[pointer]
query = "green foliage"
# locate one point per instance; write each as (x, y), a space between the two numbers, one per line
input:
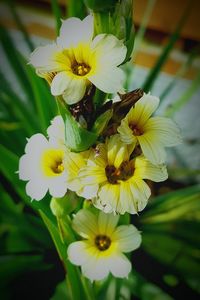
(170, 226)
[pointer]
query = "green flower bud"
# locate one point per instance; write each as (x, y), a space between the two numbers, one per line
(77, 138)
(60, 207)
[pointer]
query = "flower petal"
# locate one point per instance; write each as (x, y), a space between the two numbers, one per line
(60, 83)
(144, 169)
(56, 132)
(107, 223)
(85, 223)
(164, 130)
(74, 31)
(75, 90)
(126, 133)
(96, 267)
(108, 80)
(143, 109)
(119, 265)
(152, 149)
(77, 253)
(117, 151)
(140, 193)
(127, 237)
(109, 196)
(109, 50)
(58, 186)
(36, 191)
(43, 58)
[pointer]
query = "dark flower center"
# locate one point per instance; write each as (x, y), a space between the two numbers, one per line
(124, 172)
(102, 242)
(136, 130)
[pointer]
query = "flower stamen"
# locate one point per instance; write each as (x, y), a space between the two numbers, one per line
(124, 172)
(136, 131)
(80, 69)
(102, 242)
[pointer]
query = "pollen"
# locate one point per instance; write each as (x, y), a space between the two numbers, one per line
(102, 242)
(124, 172)
(80, 69)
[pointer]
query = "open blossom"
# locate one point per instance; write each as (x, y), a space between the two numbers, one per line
(76, 60)
(72, 161)
(120, 179)
(151, 133)
(42, 166)
(103, 244)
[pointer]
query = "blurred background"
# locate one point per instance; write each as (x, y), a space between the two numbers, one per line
(166, 62)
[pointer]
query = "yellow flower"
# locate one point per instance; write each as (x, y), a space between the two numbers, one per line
(119, 178)
(151, 133)
(43, 167)
(102, 249)
(76, 60)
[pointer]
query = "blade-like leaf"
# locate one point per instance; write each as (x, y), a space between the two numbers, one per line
(154, 72)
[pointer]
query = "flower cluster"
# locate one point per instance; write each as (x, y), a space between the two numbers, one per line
(113, 172)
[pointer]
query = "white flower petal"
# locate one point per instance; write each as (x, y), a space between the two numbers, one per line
(77, 253)
(56, 132)
(34, 141)
(85, 223)
(96, 268)
(119, 265)
(74, 31)
(127, 237)
(109, 50)
(140, 194)
(107, 223)
(109, 196)
(89, 191)
(35, 190)
(108, 80)
(60, 83)
(58, 186)
(164, 130)
(43, 58)
(75, 91)
(144, 169)
(152, 149)
(143, 109)
(126, 194)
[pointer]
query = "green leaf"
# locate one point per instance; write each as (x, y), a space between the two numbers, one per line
(170, 227)
(57, 14)
(149, 82)
(182, 70)
(15, 62)
(76, 9)
(20, 25)
(44, 101)
(184, 98)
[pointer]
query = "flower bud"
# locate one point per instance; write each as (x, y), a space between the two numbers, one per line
(60, 207)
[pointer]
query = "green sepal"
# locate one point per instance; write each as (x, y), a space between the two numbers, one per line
(101, 122)
(77, 138)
